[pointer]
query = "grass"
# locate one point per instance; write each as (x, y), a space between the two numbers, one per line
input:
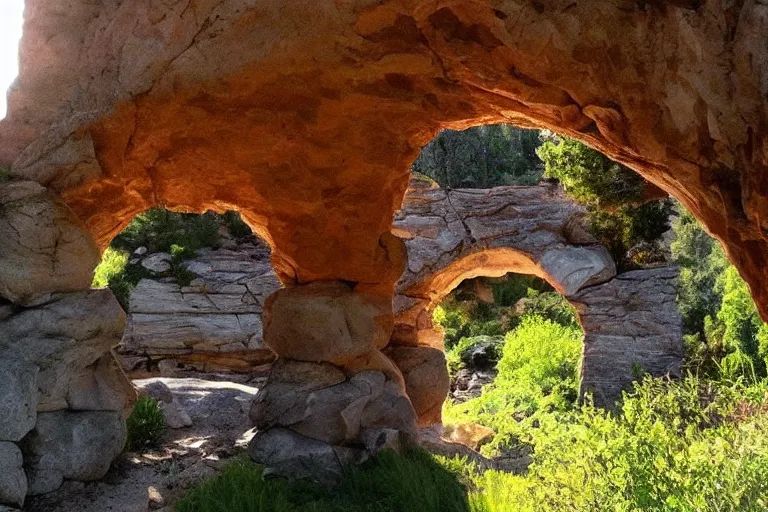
(145, 425)
(389, 482)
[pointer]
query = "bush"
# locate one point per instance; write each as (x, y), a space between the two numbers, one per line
(682, 446)
(388, 482)
(613, 195)
(145, 425)
(159, 229)
(537, 372)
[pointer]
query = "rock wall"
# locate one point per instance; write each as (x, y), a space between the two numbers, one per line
(212, 323)
(631, 327)
(64, 399)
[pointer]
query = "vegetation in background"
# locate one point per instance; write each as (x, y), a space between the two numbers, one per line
(612, 193)
(537, 374)
(482, 157)
(161, 230)
(145, 425)
(724, 335)
(5, 174)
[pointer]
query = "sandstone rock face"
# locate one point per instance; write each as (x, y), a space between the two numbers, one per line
(632, 326)
(426, 379)
(452, 235)
(45, 247)
(214, 322)
(72, 445)
(351, 91)
(326, 322)
(13, 481)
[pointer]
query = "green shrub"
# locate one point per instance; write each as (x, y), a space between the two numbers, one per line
(388, 482)
(674, 447)
(5, 174)
(159, 229)
(145, 425)
(537, 372)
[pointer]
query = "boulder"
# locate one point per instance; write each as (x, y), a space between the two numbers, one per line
(71, 445)
(45, 247)
(13, 480)
(469, 434)
(101, 386)
(282, 400)
(65, 338)
(326, 321)
(159, 262)
(174, 415)
(286, 453)
(427, 382)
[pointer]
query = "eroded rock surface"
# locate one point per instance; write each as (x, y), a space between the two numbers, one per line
(214, 322)
(631, 327)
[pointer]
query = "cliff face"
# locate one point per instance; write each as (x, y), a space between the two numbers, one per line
(306, 117)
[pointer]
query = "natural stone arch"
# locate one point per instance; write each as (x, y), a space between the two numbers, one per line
(630, 321)
(306, 116)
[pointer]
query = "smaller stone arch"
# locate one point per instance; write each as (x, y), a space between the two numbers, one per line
(630, 320)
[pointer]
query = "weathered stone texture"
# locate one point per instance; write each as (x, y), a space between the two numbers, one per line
(632, 326)
(214, 322)
(13, 480)
(44, 247)
(72, 445)
(56, 357)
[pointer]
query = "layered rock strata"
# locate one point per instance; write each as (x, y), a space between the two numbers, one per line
(212, 323)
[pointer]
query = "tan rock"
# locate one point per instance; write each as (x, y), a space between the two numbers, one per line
(45, 247)
(426, 380)
(326, 322)
(469, 434)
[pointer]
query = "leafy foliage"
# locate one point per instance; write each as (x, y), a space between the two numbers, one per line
(481, 157)
(674, 447)
(537, 373)
(145, 425)
(724, 333)
(612, 193)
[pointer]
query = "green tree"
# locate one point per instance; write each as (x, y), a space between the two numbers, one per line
(482, 157)
(612, 193)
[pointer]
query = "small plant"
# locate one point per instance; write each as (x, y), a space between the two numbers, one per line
(145, 425)
(5, 174)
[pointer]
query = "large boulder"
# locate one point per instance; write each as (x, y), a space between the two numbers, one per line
(64, 339)
(427, 382)
(326, 321)
(71, 445)
(13, 480)
(286, 453)
(45, 247)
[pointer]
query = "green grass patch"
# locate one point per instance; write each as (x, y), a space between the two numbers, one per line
(387, 483)
(145, 425)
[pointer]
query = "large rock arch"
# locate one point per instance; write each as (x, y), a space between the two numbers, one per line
(306, 116)
(631, 322)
